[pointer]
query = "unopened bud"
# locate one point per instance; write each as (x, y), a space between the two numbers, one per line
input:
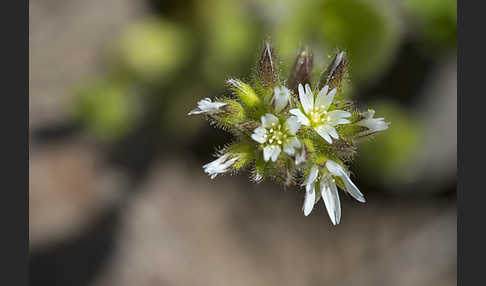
(232, 113)
(335, 72)
(244, 152)
(246, 94)
(268, 67)
(302, 70)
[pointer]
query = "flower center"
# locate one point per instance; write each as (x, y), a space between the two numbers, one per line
(276, 134)
(318, 116)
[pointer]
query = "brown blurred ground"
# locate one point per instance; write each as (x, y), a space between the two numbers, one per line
(187, 230)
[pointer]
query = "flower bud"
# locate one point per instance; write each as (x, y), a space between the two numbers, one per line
(268, 67)
(246, 94)
(335, 72)
(302, 70)
(233, 113)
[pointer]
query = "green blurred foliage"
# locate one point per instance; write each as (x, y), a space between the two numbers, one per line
(106, 108)
(230, 37)
(367, 31)
(436, 21)
(362, 30)
(387, 156)
(154, 49)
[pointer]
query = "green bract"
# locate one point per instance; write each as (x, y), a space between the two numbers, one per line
(300, 132)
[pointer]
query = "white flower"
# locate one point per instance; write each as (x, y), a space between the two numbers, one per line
(373, 124)
(328, 190)
(315, 112)
(281, 96)
(207, 106)
(220, 165)
(274, 136)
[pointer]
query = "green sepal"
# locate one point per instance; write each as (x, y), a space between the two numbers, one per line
(233, 113)
(244, 152)
(245, 93)
(320, 159)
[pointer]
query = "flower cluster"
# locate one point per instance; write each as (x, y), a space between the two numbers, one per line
(294, 131)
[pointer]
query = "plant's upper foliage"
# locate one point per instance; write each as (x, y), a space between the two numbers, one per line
(294, 133)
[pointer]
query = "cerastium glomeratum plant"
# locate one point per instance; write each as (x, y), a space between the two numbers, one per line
(295, 132)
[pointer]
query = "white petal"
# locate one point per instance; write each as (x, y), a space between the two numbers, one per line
(207, 106)
(306, 100)
(219, 166)
(267, 152)
(300, 116)
(292, 124)
(352, 189)
(323, 132)
(332, 93)
(331, 131)
(281, 96)
(268, 120)
(312, 176)
(290, 145)
(259, 135)
(295, 142)
(323, 100)
(289, 149)
(334, 168)
(374, 124)
(336, 117)
(310, 198)
(330, 197)
(309, 93)
(196, 110)
(271, 152)
(276, 152)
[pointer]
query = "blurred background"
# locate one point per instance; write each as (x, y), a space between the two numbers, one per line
(117, 191)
